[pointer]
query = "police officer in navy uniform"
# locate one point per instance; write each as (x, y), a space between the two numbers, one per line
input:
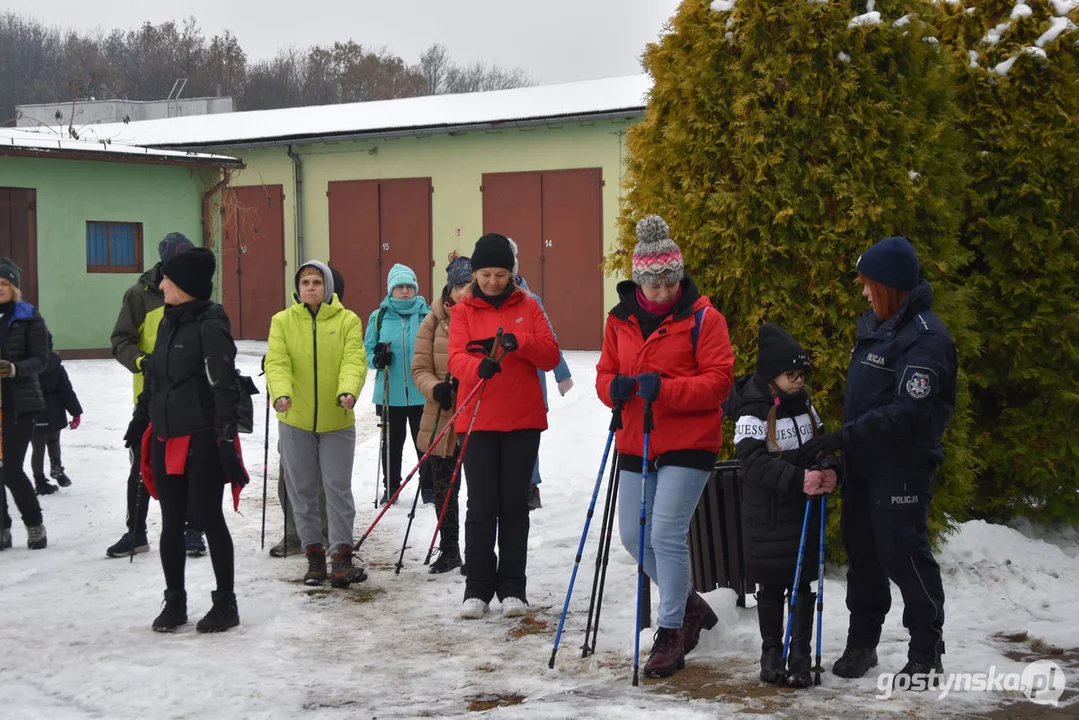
(901, 387)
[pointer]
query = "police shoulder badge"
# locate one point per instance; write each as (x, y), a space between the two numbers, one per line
(918, 385)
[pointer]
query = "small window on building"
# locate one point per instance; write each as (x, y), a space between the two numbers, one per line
(113, 247)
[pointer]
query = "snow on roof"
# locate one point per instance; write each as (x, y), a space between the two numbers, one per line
(49, 140)
(434, 112)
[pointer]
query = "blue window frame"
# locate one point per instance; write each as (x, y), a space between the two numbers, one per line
(113, 247)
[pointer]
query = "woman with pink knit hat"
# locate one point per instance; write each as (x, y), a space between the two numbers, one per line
(665, 345)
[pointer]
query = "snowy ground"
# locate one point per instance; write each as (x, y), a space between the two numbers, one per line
(75, 636)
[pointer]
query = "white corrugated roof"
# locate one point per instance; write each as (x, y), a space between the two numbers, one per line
(587, 97)
(50, 140)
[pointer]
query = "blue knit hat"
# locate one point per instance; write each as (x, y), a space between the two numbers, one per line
(172, 245)
(892, 262)
(401, 275)
(459, 271)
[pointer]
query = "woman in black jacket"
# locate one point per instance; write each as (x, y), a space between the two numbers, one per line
(194, 402)
(774, 419)
(24, 350)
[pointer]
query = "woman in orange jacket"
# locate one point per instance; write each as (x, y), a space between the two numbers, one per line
(666, 345)
(508, 416)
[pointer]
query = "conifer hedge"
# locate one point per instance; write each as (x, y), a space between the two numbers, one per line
(780, 140)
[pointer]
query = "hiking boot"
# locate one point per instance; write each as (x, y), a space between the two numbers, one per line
(5, 538)
(473, 609)
(222, 616)
(448, 559)
(60, 476)
(285, 548)
(123, 546)
(667, 656)
(344, 572)
(193, 543)
(918, 676)
(770, 620)
(173, 613)
(35, 537)
(799, 661)
(316, 565)
(427, 495)
(44, 487)
(855, 662)
(534, 502)
(698, 615)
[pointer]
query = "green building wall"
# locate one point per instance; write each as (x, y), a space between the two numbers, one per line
(80, 307)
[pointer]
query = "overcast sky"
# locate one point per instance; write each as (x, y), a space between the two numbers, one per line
(553, 40)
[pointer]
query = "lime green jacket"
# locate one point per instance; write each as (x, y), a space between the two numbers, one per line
(313, 361)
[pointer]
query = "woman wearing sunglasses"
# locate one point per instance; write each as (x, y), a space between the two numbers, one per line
(774, 420)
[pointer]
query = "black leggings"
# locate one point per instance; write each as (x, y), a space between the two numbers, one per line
(204, 483)
(18, 429)
(399, 415)
(439, 471)
(41, 441)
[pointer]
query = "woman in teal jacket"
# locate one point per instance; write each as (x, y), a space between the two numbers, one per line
(390, 341)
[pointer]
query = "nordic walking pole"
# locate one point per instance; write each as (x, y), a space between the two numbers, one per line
(384, 439)
(266, 459)
(820, 586)
(441, 433)
(412, 513)
(453, 479)
(616, 422)
(602, 558)
(797, 579)
(640, 544)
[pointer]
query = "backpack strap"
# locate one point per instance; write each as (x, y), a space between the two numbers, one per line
(695, 333)
(378, 324)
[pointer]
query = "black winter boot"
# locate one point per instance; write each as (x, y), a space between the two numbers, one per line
(174, 612)
(698, 614)
(222, 616)
(919, 676)
(855, 662)
(770, 620)
(58, 474)
(448, 559)
(43, 487)
(799, 655)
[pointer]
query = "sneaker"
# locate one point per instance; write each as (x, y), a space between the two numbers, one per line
(514, 607)
(473, 609)
(427, 495)
(123, 546)
(60, 476)
(44, 487)
(195, 545)
(534, 502)
(5, 538)
(35, 537)
(447, 560)
(279, 550)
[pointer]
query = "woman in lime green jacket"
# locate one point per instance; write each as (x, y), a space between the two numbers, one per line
(315, 368)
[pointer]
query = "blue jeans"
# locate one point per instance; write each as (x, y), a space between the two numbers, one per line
(536, 480)
(671, 497)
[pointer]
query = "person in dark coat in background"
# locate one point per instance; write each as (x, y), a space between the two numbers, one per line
(191, 442)
(773, 418)
(60, 399)
(24, 352)
(900, 397)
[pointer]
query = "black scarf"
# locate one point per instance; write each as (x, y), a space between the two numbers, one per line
(495, 300)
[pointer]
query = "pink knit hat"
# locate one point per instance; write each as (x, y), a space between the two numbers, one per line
(656, 259)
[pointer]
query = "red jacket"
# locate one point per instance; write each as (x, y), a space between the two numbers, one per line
(513, 398)
(687, 414)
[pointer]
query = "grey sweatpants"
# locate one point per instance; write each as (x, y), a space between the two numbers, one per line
(310, 459)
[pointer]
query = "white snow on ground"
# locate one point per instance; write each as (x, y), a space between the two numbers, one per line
(76, 639)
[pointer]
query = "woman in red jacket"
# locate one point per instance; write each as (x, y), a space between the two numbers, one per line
(505, 438)
(666, 344)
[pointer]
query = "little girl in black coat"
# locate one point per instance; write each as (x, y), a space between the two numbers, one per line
(774, 418)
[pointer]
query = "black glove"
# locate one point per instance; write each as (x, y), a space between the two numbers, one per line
(140, 420)
(648, 386)
(146, 365)
(622, 388)
(509, 342)
(233, 466)
(7, 368)
(443, 395)
(484, 346)
(488, 368)
(383, 357)
(825, 444)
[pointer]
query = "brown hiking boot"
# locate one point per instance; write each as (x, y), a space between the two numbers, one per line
(344, 572)
(667, 656)
(316, 565)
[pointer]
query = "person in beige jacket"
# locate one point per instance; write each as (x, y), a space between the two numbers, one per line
(430, 375)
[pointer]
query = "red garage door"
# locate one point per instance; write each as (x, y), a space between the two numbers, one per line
(18, 235)
(253, 258)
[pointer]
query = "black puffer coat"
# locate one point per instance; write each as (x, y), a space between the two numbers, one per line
(773, 504)
(60, 398)
(26, 344)
(192, 382)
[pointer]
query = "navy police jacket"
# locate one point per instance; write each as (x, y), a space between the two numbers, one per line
(901, 388)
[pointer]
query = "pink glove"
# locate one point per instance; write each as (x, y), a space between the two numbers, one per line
(75, 422)
(828, 480)
(813, 482)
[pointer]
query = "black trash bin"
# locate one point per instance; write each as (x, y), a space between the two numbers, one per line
(716, 547)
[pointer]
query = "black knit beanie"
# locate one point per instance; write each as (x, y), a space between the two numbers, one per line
(493, 251)
(192, 271)
(777, 352)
